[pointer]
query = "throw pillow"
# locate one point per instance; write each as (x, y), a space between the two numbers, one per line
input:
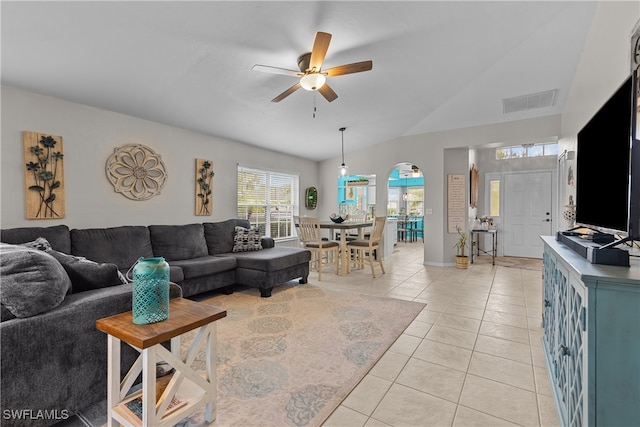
(87, 275)
(33, 281)
(40, 243)
(246, 239)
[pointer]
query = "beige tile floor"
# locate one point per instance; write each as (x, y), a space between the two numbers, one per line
(472, 357)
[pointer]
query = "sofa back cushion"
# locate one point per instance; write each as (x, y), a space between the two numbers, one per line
(58, 236)
(121, 246)
(220, 235)
(178, 242)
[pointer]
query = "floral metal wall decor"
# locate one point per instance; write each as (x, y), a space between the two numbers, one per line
(204, 179)
(136, 171)
(44, 175)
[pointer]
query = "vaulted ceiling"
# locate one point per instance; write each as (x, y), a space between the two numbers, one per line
(436, 65)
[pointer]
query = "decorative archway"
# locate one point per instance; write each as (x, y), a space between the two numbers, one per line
(405, 201)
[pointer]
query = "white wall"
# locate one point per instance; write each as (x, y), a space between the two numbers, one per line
(604, 65)
(90, 135)
(430, 153)
(89, 138)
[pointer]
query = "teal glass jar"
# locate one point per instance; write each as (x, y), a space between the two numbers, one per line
(150, 291)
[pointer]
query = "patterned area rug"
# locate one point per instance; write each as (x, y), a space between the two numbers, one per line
(510, 261)
(291, 359)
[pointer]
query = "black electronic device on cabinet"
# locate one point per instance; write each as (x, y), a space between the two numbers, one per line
(608, 167)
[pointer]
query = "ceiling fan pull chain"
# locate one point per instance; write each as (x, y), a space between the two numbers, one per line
(314, 106)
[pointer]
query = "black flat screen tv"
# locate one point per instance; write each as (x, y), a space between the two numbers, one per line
(608, 166)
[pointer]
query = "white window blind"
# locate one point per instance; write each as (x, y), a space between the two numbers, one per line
(268, 200)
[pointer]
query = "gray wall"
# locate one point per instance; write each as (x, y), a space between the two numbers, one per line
(437, 155)
(90, 135)
(604, 63)
(89, 138)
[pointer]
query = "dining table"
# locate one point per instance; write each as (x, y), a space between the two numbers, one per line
(344, 227)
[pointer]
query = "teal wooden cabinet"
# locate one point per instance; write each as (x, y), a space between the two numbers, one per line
(591, 322)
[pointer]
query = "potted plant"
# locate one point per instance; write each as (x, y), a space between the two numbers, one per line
(462, 261)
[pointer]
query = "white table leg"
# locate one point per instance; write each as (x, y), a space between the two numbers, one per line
(149, 387)
(113, 377)
(211, 407)
(175, 346)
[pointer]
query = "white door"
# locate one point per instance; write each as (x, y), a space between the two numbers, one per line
(527, 213)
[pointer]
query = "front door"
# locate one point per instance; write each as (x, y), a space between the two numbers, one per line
(527, 215)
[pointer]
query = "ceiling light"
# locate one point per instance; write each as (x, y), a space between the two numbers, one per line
(312, 81)
(405, 195)
(343, 167)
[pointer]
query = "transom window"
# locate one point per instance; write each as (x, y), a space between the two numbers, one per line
(268, 200)
(527, 150)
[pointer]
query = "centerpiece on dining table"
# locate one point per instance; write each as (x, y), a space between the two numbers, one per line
(338, 219)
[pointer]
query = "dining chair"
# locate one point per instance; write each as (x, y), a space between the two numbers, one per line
(296, 224)
(368, 250)
(325, 252)
(403, 228)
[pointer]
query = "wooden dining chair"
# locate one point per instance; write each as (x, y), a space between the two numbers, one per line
(296, 224)
(324, 252)
(369, 250)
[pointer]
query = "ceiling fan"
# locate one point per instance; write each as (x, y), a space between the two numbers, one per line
(311, 75)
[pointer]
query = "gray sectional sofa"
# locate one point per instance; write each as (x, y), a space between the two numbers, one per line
(53, 363)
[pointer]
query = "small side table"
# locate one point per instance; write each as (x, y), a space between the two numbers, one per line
(190, 390)
(476, 243)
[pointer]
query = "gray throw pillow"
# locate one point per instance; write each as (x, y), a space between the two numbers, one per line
(87, 275)
(247, 239)
(33, 281)
(40, 244)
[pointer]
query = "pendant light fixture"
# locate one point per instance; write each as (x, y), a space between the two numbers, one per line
(343, 167)
(405, 195)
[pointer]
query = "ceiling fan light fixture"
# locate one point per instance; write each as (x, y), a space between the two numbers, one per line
(313, 81)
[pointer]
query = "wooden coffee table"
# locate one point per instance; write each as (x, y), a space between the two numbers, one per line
(181, 394)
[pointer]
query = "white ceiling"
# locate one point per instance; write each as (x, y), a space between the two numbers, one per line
(436, 65)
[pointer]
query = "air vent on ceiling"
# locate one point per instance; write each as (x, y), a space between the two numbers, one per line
(546, 98)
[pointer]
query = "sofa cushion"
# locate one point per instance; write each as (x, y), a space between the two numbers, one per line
(58, 236)
(203, 266)
(220, 235)
(177, 242)
(273, 259)
(86, 275)
(33, 281)
(122, 246)
(247, 239)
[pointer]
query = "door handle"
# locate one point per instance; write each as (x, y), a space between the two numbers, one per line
(546, 220)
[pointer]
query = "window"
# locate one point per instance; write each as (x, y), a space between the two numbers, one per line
(393, 203)
(527, 150)
(494, 198)
(415, 203)
(268, 200)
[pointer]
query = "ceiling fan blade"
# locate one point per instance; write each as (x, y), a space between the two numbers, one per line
(327, 92)
(356, 67)
(319, 51)
(287, 92)
(276, 70)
